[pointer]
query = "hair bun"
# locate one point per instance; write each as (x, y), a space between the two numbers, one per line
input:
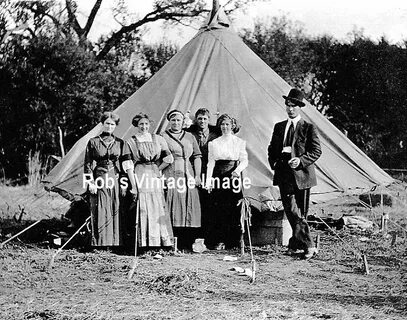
(138, 117)
(233, 121)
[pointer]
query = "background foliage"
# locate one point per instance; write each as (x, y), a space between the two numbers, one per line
(357, 85)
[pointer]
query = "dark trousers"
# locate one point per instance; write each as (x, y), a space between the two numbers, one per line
(296, 204)
(296, 207)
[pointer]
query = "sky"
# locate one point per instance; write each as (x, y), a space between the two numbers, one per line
(375, 18)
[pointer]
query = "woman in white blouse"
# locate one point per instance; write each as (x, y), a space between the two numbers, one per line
(227, 158)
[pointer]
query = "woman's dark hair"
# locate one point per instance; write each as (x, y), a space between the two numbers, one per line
(233, 121)
(138, 117)
(110, 115)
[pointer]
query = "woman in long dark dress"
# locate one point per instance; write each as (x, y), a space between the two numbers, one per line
(227, 158)
(182, 197)
(145, 155)
(102, 171)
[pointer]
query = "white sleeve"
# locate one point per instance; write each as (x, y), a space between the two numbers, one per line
(127, 164)
(243, 158)
(168, 159)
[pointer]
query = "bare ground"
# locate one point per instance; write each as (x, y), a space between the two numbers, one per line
(94, 285)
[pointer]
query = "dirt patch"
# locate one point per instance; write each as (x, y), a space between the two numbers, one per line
(94, 285)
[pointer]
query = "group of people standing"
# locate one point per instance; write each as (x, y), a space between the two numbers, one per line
(169, 186)
(194, 206)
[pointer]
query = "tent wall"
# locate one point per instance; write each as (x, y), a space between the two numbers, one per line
(216, 70)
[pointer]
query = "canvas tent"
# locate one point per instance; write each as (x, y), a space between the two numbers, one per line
(216, 70)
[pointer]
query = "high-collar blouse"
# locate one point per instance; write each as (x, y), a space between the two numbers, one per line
(227, 147)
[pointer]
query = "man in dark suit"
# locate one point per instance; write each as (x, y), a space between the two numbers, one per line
(293, 149)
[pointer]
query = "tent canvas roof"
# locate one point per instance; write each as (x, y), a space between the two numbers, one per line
(216, 70)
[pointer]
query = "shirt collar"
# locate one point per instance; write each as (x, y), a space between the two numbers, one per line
(294, 121)
(227, 136)
(203, 133)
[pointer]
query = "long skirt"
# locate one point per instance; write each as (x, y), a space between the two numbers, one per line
(154, 221)
(224, 214)
(183, 202)
(104, 208)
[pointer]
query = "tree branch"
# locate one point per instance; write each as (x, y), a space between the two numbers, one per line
(167, 10)
(42, 11)
(91, 18)
(72, 19)
(150, 17)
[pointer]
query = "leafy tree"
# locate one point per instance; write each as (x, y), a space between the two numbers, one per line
(63, 17)
(52, 81)
(357, 85)
(157, 55)
(49, 82)
(283, 45)
(365, 92)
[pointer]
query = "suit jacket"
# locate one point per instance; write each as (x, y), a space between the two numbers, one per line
(305, 146)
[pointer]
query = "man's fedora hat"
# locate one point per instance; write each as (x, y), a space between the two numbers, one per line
(295, 96)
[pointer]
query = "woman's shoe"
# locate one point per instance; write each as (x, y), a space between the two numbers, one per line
(220, 246)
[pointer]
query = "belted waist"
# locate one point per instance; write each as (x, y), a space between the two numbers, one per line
(146, 163)
(105, 164)
(224, 167)
(226, 162)
(178, 157)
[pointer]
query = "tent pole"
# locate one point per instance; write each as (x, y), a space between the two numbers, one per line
(21, 232)
(51, 262)
(215, 8)
(385, 216)
(253, 262)
(242, 243)
(134, 262)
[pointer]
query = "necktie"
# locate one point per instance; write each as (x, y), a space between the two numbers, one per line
(202, 139)
(290, 135)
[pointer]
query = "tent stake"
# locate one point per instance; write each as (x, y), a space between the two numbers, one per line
(385, 216)
(365, 264)
(21, 232)
(317, 241)
(175, 245)
(242, 243)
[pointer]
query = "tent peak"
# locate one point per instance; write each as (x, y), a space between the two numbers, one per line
(215, 8)
(217, 19)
